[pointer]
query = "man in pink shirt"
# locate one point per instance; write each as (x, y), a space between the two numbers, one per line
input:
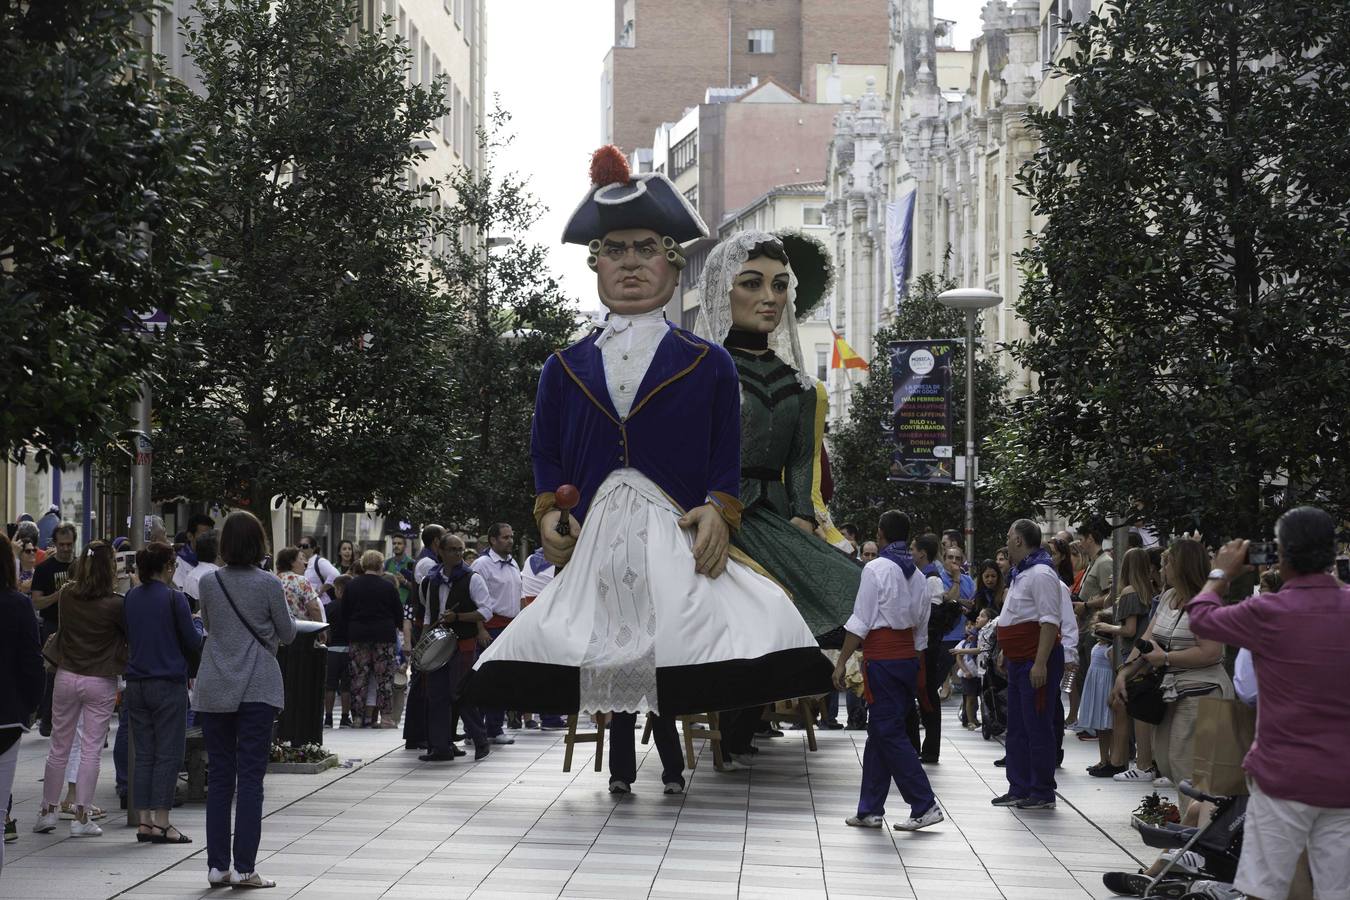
(1300, 789)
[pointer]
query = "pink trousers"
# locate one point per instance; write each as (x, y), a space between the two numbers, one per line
(84, 699)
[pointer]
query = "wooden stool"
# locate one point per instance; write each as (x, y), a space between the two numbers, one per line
(597, 738)
(801, 711)
(704, 725)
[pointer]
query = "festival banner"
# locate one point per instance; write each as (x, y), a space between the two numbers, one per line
(921, 421)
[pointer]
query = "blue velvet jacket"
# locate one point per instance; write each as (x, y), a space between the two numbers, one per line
(683, 432)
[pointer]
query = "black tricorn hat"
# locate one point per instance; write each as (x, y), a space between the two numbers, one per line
(618, 199)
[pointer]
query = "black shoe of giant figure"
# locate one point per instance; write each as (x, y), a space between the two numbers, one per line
(481, 751)
(1001, 762)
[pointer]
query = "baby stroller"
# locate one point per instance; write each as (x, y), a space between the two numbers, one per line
(1218, 844)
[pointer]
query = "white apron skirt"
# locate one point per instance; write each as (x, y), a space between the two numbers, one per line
(628, 626)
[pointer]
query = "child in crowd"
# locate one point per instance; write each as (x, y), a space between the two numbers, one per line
(1094, 710)
(966, 666)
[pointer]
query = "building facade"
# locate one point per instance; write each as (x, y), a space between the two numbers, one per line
(943, 137)
(667, 55)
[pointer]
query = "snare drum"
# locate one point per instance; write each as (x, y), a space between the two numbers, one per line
(435, 649)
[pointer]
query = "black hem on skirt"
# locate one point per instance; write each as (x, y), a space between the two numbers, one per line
(681, 690)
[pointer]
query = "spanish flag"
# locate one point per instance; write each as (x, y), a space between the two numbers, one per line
(844, 356)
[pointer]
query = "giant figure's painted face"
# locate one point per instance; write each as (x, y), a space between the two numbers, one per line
(633, 274)
(759, 294)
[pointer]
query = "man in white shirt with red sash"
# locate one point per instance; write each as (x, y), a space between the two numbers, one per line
(890, 623)
(1029, 635)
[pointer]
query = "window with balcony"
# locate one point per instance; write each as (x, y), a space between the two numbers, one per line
(692, 196)
(761, 40)
(822, 362)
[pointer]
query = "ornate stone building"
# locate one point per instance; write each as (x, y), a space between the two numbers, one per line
(943, 137)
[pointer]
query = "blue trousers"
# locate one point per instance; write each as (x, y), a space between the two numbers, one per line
(1031, 743)
(889, 755)
(158, 710)
(237, 745)
(623, 752)
(120, 749)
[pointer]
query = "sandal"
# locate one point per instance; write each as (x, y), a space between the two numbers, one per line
(145, 837)
(163, 836)
(251, 881)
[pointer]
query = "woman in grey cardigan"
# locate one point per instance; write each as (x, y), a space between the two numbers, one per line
(238, 694)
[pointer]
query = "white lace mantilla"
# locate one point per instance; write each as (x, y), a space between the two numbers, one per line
(714, 318)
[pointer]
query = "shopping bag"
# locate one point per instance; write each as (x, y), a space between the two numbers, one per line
(1224, 731)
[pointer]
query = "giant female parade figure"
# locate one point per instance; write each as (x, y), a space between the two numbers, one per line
(749, 297)
(653, 610)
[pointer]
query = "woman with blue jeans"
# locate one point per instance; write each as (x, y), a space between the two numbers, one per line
(238, 695)
(162, 632)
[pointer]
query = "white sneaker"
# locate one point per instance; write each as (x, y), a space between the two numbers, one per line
(745, 760)
(619, 786)
(84, 829)
(1214, 890)
(1133, 773)
(932, 817)
(674, 787)
(864, 821)
(503, 740)
(730, 765)
(1162, 781)
(46, 822)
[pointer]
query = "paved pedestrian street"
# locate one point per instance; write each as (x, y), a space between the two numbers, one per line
(516, 825)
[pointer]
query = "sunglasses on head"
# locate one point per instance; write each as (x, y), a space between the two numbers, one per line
(306, 546)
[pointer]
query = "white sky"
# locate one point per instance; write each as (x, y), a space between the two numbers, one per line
(544, 59)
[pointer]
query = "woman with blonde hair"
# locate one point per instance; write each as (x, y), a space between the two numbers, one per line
(1194, 666)
(89, 652)
(373, 615)
(1130, 612)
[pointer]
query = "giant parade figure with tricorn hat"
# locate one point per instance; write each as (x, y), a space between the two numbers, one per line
(639, 424)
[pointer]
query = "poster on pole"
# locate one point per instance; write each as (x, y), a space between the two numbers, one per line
(921, 413)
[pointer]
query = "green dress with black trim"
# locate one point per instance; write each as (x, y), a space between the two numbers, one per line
(778, 424)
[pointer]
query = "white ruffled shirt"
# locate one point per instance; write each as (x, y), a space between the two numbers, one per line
(627, 347)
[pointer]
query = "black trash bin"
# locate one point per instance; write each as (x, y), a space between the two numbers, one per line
(303, 667)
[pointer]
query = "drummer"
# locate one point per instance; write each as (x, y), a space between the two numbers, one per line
(456, 597)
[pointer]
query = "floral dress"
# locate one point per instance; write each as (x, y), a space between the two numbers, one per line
(298, 593)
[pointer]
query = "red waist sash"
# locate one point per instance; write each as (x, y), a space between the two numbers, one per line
(498, 622)
(894, 643)
(467, 645)
(1020, 643)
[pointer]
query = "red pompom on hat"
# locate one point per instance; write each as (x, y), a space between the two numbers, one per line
(609, 166)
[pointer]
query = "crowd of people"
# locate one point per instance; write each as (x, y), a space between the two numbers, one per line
(689, 565)
(93, 632)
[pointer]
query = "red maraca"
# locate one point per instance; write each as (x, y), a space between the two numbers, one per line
(566, 498)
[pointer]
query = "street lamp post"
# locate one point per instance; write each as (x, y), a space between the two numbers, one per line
(971, 301)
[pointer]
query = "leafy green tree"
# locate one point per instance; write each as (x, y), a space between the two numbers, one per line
(511, 315)
(321, 368)
(97, 208)
(860, 452)
(1187, 295)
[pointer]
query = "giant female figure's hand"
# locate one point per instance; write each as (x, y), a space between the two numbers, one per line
(712, 539)
(558, 547)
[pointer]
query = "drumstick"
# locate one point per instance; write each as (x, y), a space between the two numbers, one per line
(566, 498)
